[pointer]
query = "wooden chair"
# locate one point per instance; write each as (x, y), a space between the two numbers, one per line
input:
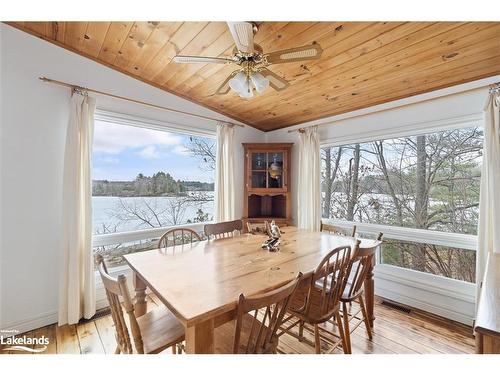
(152, 333)
(178, 236)
(258, 228)
(318, 299)
(257, 322)
(333, 229)
(360, 265)
(224, 229)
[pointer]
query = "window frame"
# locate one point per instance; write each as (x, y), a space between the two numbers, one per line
(142, 122)
(407, 130)
(451, 298)
(140, 234)
(147, 123)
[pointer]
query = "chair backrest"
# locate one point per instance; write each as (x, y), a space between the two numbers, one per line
(338, 230)
(116, 288)
(263, 331)
(224, 229)
(361, 262)
(326, 285)
(258, 228)
(178, 236)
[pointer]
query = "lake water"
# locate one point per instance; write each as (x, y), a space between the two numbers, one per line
(117, 214)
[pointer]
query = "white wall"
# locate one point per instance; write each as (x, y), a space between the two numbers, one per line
(33, 122)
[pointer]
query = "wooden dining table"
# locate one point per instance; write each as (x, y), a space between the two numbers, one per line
(200, 282)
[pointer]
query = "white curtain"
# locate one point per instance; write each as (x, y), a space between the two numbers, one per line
(77, 280)
(489, 205)
(224, 173)
(309, 199)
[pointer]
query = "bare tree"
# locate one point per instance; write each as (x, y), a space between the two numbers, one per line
(352, 198)
(428, 182)
(421, 201)
(382, 165)
(329, 175)
(204, 150)
(156, 213)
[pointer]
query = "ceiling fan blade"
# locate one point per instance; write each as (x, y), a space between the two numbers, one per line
(224, 88)
(242, 33)
(310, 52)
(201, 59)
(275, 81)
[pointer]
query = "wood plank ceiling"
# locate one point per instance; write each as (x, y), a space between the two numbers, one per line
(363, 63)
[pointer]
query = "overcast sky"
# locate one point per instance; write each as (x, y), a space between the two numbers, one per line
(121, 152)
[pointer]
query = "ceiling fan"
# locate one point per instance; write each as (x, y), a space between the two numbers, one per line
(253, 62)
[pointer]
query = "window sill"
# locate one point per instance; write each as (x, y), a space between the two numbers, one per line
(138, 235)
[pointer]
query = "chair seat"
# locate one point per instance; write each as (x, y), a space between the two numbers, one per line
(315, 314)
(345, 295)
(224, 336)
(160, 329)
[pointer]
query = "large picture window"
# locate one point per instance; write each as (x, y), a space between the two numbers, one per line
(144, 179)
(427, 182)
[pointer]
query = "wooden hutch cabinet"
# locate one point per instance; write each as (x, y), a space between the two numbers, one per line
(267, 183)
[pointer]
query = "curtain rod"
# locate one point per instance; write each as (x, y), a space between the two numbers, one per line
(85, 89)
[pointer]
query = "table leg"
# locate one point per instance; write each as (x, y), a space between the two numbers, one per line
(140, 306)
(479, 342)
(200, 338)
(370, 292)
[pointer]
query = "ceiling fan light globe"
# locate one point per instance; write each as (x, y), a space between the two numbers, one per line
(247, 91)
(237, 83)
(260, 82)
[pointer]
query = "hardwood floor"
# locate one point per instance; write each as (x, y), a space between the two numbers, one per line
(395, 332)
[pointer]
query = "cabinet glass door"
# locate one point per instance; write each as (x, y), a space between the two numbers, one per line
(275, 170)
(267, 170)
(259, 161)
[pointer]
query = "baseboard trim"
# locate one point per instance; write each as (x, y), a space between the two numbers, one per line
(26, 325)
(51, 317)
